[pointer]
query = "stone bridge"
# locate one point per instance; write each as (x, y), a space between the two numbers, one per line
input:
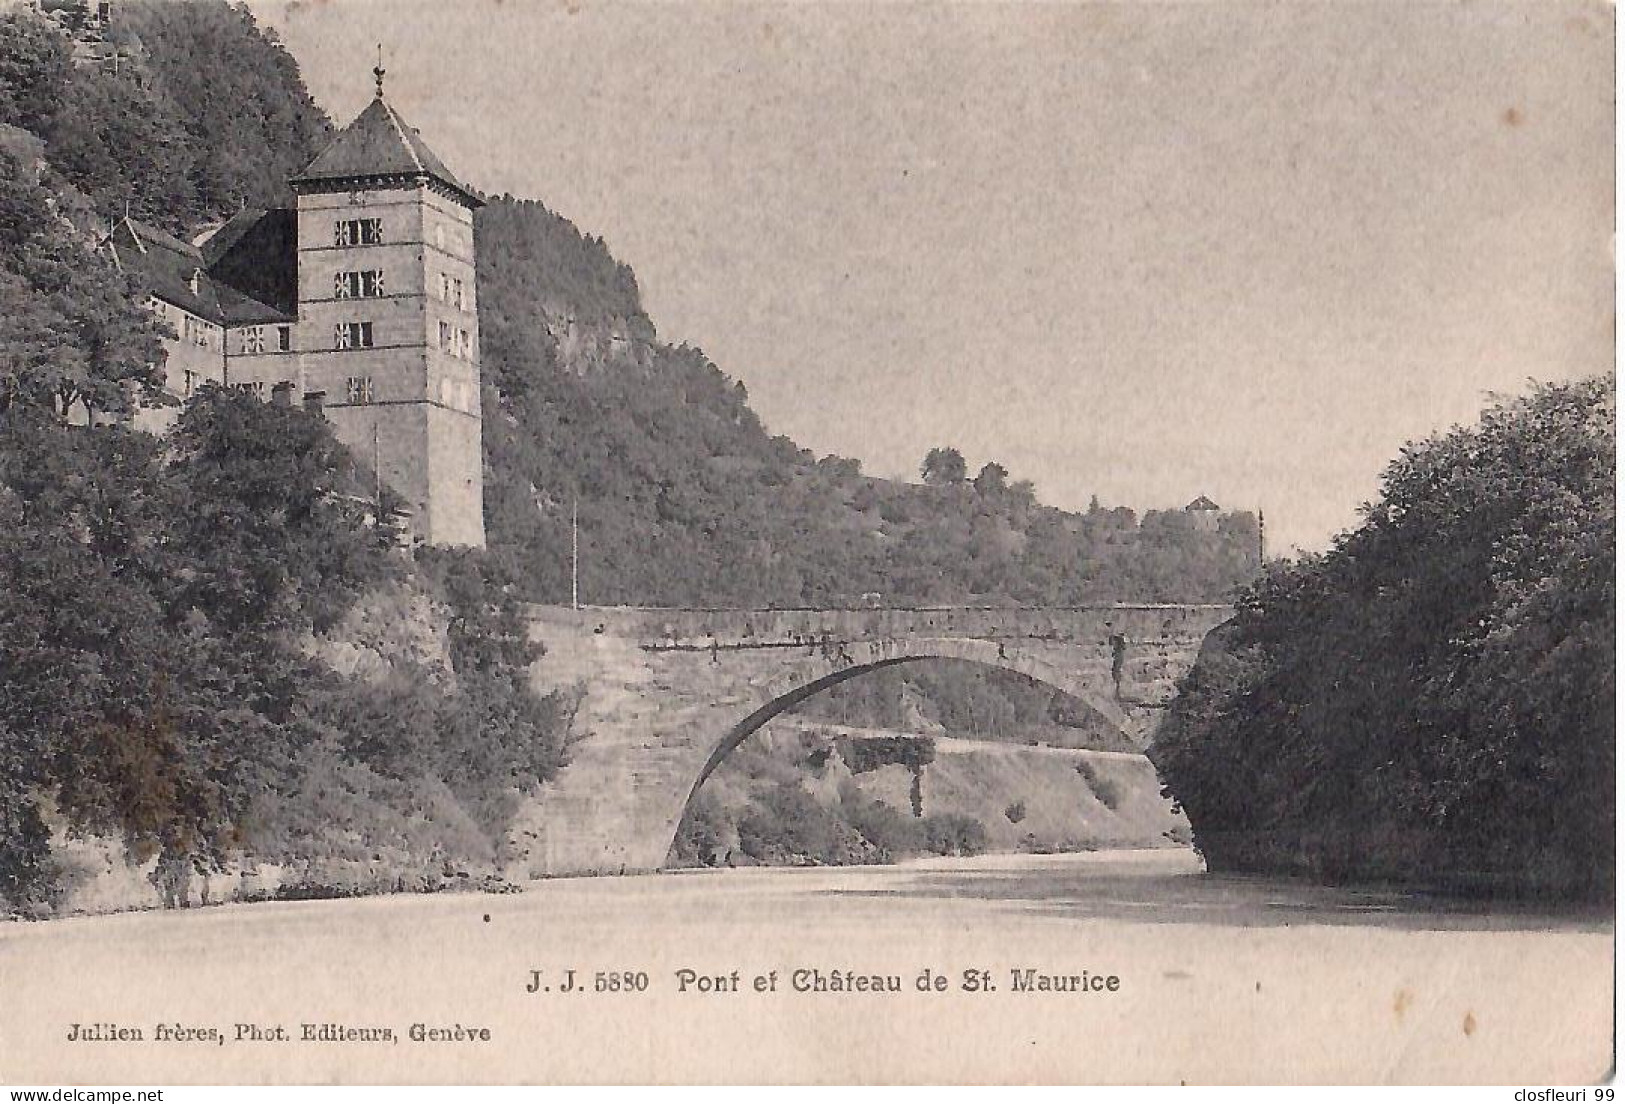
(668, 693)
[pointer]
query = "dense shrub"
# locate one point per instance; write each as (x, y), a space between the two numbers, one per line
(893, 834)
(1434, 697)
(702, 835)
(869, 754)
(786, 824)
(954, 834)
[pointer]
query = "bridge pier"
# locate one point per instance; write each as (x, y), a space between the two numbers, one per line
(666, 694)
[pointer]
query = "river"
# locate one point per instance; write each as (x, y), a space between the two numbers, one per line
(1217, 979)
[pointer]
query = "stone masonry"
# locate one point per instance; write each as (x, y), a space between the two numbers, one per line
(667, 694)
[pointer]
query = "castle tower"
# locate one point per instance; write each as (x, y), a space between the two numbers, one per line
(388, 319)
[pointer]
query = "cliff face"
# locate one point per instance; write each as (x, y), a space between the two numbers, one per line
(587, 348)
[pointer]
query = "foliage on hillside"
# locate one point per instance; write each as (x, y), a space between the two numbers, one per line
(685, 499)
(158, 601)
(203, 114)
(1434, 697)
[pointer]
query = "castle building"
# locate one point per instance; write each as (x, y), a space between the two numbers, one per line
(360, 301)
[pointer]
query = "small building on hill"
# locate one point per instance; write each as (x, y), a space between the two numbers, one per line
(85, 24)
(1204, 514)
(359, 303)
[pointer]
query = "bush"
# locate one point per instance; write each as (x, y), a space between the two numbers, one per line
(1107, 790)
(702, 834)
(787, 824)
(865, 755)
(954, 834)
(893, 834)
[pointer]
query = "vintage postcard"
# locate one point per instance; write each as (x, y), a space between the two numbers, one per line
(749, 542)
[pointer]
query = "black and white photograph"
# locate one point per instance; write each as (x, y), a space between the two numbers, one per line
(807, 542)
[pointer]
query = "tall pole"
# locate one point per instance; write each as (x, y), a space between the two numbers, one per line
(377, 473)
(575, 554)
(1261, 537)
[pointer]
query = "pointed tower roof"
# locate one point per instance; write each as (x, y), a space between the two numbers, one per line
(378, 144)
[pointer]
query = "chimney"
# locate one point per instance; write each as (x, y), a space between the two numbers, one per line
(282, 394)
(315, 401)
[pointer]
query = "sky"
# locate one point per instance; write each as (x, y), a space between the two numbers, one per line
(1139, 251)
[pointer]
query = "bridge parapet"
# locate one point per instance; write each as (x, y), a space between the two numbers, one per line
(684, 629)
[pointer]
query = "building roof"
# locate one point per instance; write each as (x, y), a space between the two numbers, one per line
(1202, 502)
(256, 255)
(237, 309)
(379, 143)
(220, 240)
(173, 269)
(176, 272)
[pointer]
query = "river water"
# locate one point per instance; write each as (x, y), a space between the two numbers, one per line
(1216, 979)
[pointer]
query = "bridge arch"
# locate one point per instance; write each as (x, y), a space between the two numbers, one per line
(664, 695)
(984, 652)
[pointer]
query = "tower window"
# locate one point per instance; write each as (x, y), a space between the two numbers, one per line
(457, 293)
(189, 381)
(465, 345)
(367, 284)
(347, 232)
(446, 345)
(358, 389)
(254, 340)
(284, 338)
(352, 335)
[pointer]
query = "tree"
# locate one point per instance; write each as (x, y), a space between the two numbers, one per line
(943, 467)
(35, 65)
(275, 512)
(117, 140)
(992, 479)
(71, 332)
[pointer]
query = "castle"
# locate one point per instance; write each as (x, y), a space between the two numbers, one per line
(359, 302)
